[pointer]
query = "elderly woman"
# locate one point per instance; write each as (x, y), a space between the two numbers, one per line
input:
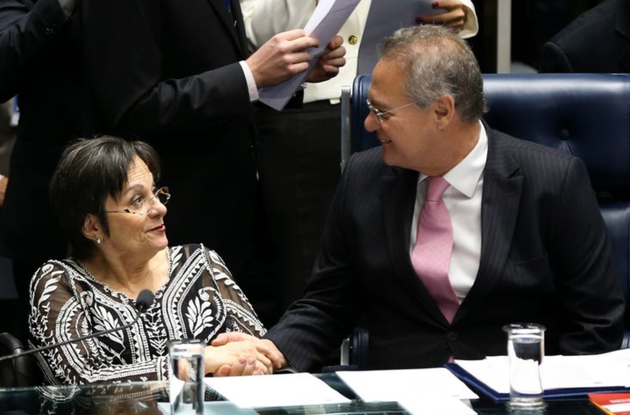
(104, 195)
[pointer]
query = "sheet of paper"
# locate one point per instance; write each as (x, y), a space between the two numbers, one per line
(443, 405)
(558, 372)
(324, 24)
(407, 384)
(385, 18)
(213, 408)
(273, 391)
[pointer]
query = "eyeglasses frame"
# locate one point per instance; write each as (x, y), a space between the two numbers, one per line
(382, 116)
(161, 191)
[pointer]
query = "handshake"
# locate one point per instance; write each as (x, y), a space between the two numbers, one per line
(239, 354)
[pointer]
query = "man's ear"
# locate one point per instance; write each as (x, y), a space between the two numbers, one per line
(92, 229)
(444, 110)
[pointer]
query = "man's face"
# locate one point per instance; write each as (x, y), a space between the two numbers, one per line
(408, 132)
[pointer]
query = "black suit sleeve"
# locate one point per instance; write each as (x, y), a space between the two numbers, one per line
(127, 64)
(585, 279)
(554, 60)
(316, 324)
(25, 31)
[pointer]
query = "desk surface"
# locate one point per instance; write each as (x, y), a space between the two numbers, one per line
(151, 398)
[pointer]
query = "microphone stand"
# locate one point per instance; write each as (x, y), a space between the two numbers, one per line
(143, 303)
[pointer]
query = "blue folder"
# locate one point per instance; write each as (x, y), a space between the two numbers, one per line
(553, 394)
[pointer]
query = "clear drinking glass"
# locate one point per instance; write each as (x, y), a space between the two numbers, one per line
(186, 386)
(526, 349)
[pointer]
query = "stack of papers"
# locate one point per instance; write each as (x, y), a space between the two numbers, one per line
(562, 376)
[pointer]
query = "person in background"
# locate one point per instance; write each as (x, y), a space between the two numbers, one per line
(299, 148)
(104, 194)
(183, 79)
(40, 59)
(450, 230)
(595, 42)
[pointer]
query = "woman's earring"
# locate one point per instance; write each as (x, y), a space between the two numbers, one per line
(98, 241)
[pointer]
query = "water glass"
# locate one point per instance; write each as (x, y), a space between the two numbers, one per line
(186, 386)
(526, 348)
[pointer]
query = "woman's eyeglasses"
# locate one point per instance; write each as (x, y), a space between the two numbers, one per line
(144, 206)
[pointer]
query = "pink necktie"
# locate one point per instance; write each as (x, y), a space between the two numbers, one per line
(431, 256)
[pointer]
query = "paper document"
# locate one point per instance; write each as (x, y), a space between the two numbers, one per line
(278, 390)
(212, 408)
(324, 24)
(406, 385)
(558, 372)
(442, 405)
(384, 18)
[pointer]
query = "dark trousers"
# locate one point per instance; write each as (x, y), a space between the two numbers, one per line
(299, 158)
(22, 273)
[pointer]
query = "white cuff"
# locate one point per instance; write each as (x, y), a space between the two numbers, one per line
(251, 82)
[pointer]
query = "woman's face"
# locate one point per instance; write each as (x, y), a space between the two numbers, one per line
(136, 220)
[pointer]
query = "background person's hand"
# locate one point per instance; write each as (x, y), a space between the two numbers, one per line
(452, 16)
(3, 188)
(282, 57)
(329, 63)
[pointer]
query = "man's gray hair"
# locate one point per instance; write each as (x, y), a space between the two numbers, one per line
(437, 62)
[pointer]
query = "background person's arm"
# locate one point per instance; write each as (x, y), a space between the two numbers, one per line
(24, 33)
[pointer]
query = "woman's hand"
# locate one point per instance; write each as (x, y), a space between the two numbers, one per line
(240, 358)
(264, 346)
(453, 15)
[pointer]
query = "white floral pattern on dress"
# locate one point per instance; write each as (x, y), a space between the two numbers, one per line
(199, 300)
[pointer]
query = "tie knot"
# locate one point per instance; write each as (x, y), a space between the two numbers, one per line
(437, 186)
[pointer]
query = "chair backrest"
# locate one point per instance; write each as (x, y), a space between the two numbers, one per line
(21, 371)
(587, 115)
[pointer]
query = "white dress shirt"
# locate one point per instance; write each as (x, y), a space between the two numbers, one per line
(463, 201)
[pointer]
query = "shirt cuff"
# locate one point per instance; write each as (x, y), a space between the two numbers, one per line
(68, 6)
(251, 82)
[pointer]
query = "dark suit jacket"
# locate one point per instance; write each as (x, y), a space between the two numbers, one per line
(167, 72)
(544, 259)
(39, 60)
(597, 41)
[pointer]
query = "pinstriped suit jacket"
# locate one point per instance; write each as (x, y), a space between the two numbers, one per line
(544, 258)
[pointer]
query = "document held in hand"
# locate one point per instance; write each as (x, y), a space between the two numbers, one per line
(324, 24)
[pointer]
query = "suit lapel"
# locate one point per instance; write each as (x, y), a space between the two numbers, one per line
(230, 21)
(502, 186)
(622, 26)
(398, 201)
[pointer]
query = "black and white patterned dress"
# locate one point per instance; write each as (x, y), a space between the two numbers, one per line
(199, 300)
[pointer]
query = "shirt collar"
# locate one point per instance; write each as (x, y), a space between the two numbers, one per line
(465, 175)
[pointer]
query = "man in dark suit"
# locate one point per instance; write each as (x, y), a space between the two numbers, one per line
(597, 41)
(41, 61)
(178, 75)
(451, 230)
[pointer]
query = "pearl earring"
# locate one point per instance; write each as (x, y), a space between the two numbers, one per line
(98, 241)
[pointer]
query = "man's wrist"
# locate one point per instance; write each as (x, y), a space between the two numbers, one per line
(251, 82)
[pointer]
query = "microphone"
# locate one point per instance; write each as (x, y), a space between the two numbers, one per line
(143, 303)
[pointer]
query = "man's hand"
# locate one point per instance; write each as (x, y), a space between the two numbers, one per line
(263, 346)
(242, 358)
(454, 15)
(329, 63)
(4, 181)
(282, 57)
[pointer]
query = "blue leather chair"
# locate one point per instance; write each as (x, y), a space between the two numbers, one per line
(587, 115)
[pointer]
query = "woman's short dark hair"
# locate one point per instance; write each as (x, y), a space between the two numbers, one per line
(88, 172)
